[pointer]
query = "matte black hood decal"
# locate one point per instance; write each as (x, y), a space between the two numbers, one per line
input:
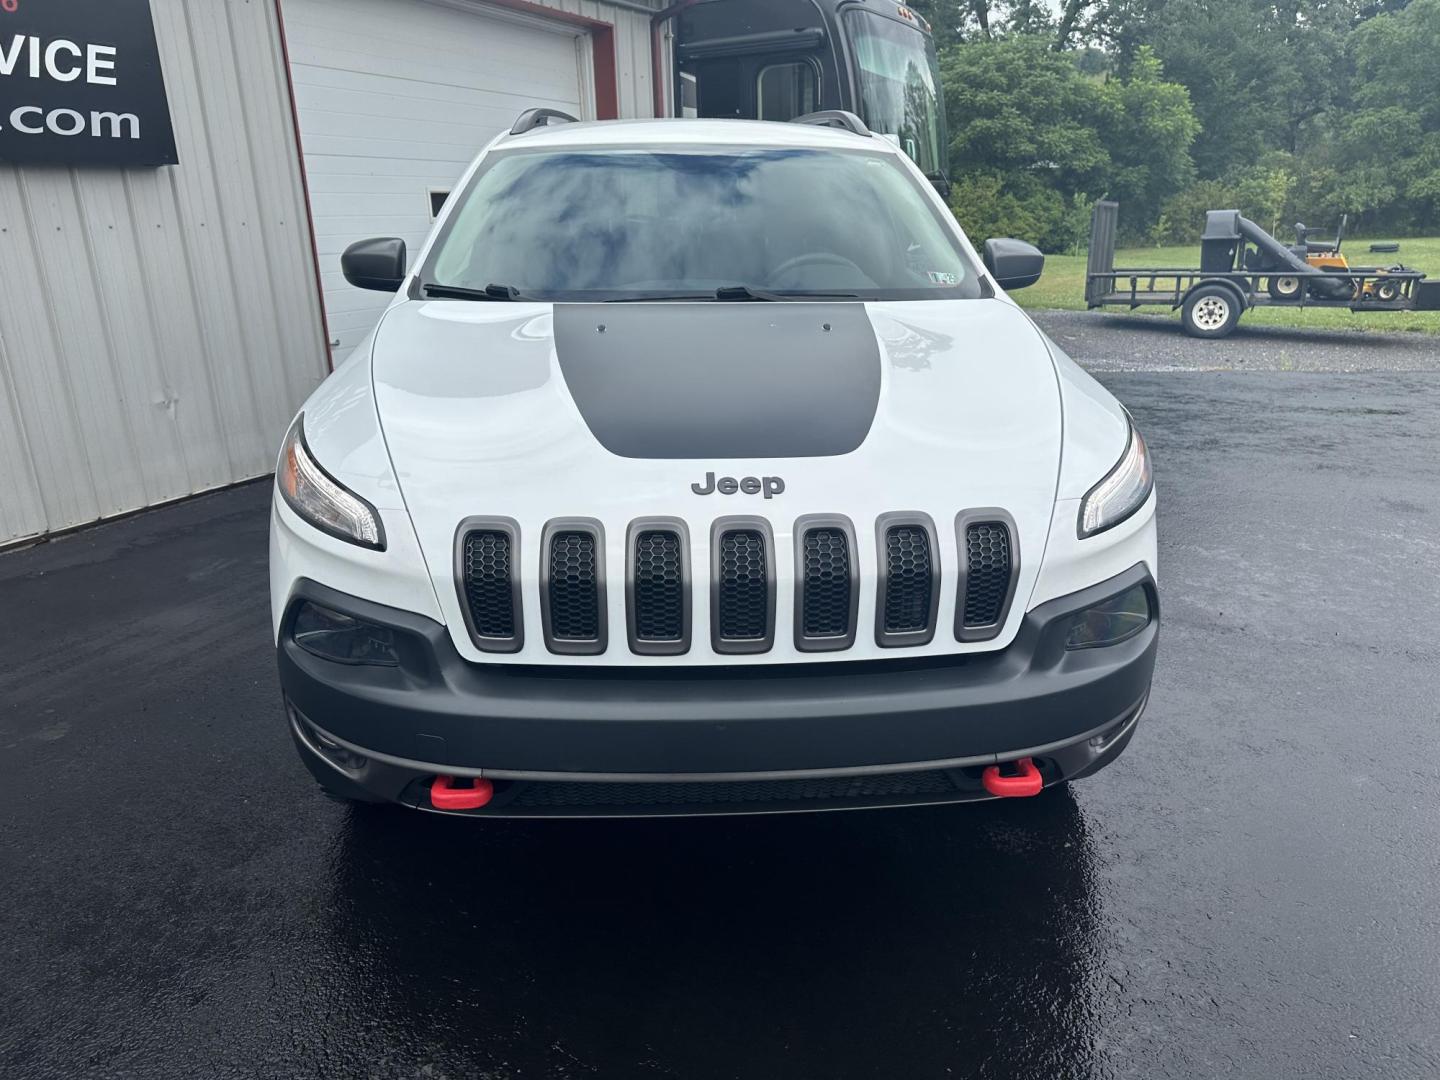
(721, 380)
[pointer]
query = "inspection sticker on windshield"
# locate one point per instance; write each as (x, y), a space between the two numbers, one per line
(941, 277)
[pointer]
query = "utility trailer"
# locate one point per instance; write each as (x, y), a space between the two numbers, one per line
(1239, 270)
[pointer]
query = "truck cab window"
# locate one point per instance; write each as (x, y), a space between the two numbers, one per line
(900, 87)
(785, 91)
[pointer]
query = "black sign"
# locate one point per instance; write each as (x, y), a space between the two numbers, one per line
(80, 84)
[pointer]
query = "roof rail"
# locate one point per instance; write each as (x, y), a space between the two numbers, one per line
(530, 119)
(836, 118)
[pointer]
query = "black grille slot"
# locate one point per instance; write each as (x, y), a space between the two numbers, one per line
(487, 578)
(989, 567)
(743, 586)
(908, 579)
(987, 572)
(659, 597)
(574, 586)
(826, 586)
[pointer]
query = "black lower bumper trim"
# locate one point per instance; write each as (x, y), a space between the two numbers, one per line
(870, 716)
(588, 796)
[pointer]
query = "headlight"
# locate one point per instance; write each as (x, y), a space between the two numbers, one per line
(1111, 622)
(320, 499)
(331, 635)
(1122, 492)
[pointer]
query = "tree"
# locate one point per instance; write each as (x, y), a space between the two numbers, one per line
(1016, 107)
(1258, 73)
(948, 19)
(956, 21)
(1147, 126)
(1263, 193)
(1289, 109)
(1032, 137)
(1388, 148)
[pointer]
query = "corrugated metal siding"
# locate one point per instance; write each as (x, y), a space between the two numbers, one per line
(632, 51)
(158, 327)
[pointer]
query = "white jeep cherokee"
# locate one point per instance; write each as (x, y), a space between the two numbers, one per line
(703, 467)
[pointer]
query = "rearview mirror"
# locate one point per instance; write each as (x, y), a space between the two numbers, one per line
(375, 264)
(1014, 264)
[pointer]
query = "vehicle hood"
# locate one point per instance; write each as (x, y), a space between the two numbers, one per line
(612, 412)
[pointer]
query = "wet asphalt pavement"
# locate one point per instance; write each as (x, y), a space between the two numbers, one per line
(1251, 891)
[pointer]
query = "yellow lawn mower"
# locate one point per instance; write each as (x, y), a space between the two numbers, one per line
(1326, 255)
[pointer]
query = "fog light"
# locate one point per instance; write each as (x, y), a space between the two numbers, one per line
(1112, 621)
(342, 638)
(346, 759)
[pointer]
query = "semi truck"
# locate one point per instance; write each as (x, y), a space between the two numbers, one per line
(780, 59)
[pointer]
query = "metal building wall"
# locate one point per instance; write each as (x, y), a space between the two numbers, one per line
(632, 50)
(158, 327)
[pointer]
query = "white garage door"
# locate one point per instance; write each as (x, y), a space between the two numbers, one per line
(395, 99)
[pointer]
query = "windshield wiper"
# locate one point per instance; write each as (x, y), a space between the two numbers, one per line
(739, 294)
(745, 292)
(459, 292)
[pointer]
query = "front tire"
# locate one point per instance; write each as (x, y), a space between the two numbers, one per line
(1211, 311)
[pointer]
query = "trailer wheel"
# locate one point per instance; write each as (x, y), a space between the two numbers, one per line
(1387, 291)
(1285, 288)
(1211, 311)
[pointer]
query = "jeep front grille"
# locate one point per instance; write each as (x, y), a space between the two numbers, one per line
(572, 587)
(489, 578)
(658, 592)
(829, 578)
(909, 590)
(742, 586)
(988, 566)
(827, 587)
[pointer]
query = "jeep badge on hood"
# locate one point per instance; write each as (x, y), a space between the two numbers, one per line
(750, 485)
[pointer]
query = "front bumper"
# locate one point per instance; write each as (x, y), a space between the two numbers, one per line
(664, 741)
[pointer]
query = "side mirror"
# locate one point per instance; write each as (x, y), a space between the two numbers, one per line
(1013, 263)
(375, 264)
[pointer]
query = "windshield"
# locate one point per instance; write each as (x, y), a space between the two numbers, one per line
(899, 81)
(635, 224)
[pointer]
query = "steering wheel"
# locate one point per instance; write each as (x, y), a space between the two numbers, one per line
(819, 259)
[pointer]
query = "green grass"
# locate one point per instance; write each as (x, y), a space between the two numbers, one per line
(1063, 286)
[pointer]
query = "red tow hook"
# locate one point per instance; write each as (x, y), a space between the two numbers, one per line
(446, 796)
(1027, 783)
